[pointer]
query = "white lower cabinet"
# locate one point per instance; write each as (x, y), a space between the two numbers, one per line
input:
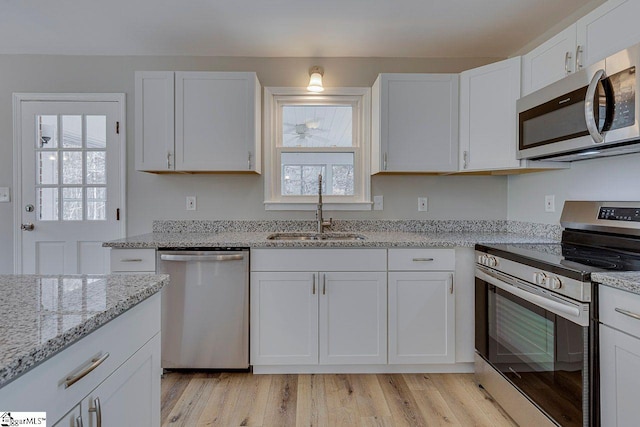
(421, 317)
(619, 357)
(72, 419)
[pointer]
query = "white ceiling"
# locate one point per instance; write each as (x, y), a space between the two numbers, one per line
(277, 28)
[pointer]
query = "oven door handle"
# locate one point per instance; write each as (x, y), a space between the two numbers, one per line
(528, 296)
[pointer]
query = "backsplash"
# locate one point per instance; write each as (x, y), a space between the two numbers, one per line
(412, 226)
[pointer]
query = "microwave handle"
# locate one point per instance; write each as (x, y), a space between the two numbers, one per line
(589, 107)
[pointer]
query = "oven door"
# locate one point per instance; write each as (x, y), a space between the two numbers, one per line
(539, 345)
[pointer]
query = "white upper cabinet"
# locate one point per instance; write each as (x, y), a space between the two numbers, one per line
(549, 62)
(608, 29)
(212, 124)
(414, 123)
(488, 97)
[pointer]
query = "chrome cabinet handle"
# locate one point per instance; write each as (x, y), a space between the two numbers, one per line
(27, 226)
(384, 166)
(249, 160)
(451, 283)
(324, 284)
(95, 362)
(628, 313)
(168, 159)
(131, 260)
(589, 108)
(98, 410)
(465, 159)
(514, 372)
(168, 257)
(567, 58)
(578, 52)
(313, 289)
(79, 421)
(422, 259)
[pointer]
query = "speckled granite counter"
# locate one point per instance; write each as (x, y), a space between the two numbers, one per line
(627, 281)
(41, 315)
(371, 239)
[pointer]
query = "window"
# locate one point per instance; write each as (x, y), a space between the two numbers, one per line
(310, 135)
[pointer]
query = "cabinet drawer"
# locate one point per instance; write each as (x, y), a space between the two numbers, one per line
(43, 387)
(319, 260)
(421, 259)
(133, 260)
(618, 308)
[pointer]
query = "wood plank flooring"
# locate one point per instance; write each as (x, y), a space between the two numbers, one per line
(390, 400)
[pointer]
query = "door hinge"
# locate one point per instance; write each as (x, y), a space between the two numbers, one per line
(118, 128)
(118, 214)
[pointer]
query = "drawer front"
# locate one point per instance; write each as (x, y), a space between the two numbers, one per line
(319, 260)
(620, 309)
(43, 387)
(422, 259)
(133, 260)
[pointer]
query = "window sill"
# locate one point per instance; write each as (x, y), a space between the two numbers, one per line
(309, 206)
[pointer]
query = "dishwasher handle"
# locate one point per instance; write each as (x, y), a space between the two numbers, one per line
(185, 258)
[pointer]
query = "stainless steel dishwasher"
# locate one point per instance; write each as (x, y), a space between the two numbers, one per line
(205, 308)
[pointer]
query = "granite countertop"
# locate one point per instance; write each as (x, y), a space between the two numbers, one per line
(257, 239)
(627, 280)
(42, 315)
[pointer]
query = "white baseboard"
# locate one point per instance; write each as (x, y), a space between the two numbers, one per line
(365, 369)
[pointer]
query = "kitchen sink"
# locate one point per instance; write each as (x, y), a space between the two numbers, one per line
(315, 236)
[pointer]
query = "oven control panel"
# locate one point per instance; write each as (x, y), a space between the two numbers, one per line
(619, 214)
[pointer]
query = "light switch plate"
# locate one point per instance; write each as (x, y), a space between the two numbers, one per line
(550, 203)
(378, 203)
(191, 203)
(4, 194)
(423, 204)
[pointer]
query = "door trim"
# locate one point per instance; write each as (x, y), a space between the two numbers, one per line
(18, 98)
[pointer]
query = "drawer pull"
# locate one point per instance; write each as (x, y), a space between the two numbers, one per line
(422, 259)
(132, 260)
(628, 313)
(72, 379)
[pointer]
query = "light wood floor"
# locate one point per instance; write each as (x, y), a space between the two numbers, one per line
(241, 399)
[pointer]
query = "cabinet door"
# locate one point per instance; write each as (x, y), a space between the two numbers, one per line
(619, 378)
(72, 419)
(418, 123)
(611, 27)
(488, 116)
(154, 121)
(549, 62)
(131, 394)
(217, 121)
(284, 318)
(421, 318)
(353, 318)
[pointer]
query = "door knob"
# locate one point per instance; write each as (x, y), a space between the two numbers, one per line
(27, 226)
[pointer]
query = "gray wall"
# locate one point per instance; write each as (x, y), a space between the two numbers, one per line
(614, 178)
(234, 196)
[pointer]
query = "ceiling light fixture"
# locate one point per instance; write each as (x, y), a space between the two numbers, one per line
(315, 79)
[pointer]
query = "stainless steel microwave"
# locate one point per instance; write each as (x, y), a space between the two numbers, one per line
(591, 113)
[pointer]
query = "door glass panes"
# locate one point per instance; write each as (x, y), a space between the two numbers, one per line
(73, 172)
(72, 131)
(317, 125)
(300, 173)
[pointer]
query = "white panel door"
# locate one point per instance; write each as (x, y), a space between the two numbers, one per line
(619, 377)
(71, 177)
(284, 318)
(421, 318)
(549, 62)
(353, 313)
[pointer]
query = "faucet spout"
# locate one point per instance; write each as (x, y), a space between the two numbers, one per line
(320, 221)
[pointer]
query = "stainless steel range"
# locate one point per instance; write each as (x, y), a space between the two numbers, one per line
(536, 314)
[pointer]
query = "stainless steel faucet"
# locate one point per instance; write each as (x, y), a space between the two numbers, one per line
(321, 223)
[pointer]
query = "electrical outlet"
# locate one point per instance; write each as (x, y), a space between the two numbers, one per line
(191, 203)
(378, 203)
(550, 203)
(4, 194)
(422, 204)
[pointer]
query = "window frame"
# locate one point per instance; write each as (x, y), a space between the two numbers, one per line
(360, 99)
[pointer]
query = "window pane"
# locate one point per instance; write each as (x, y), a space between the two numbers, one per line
(47, 167)
(72, 131)
(47, 204)
(72, 167)
(96, 167)
(342, 180)
(72, 204)
(317, 126)
(47, 132)
(96, 131)
(96, 203)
